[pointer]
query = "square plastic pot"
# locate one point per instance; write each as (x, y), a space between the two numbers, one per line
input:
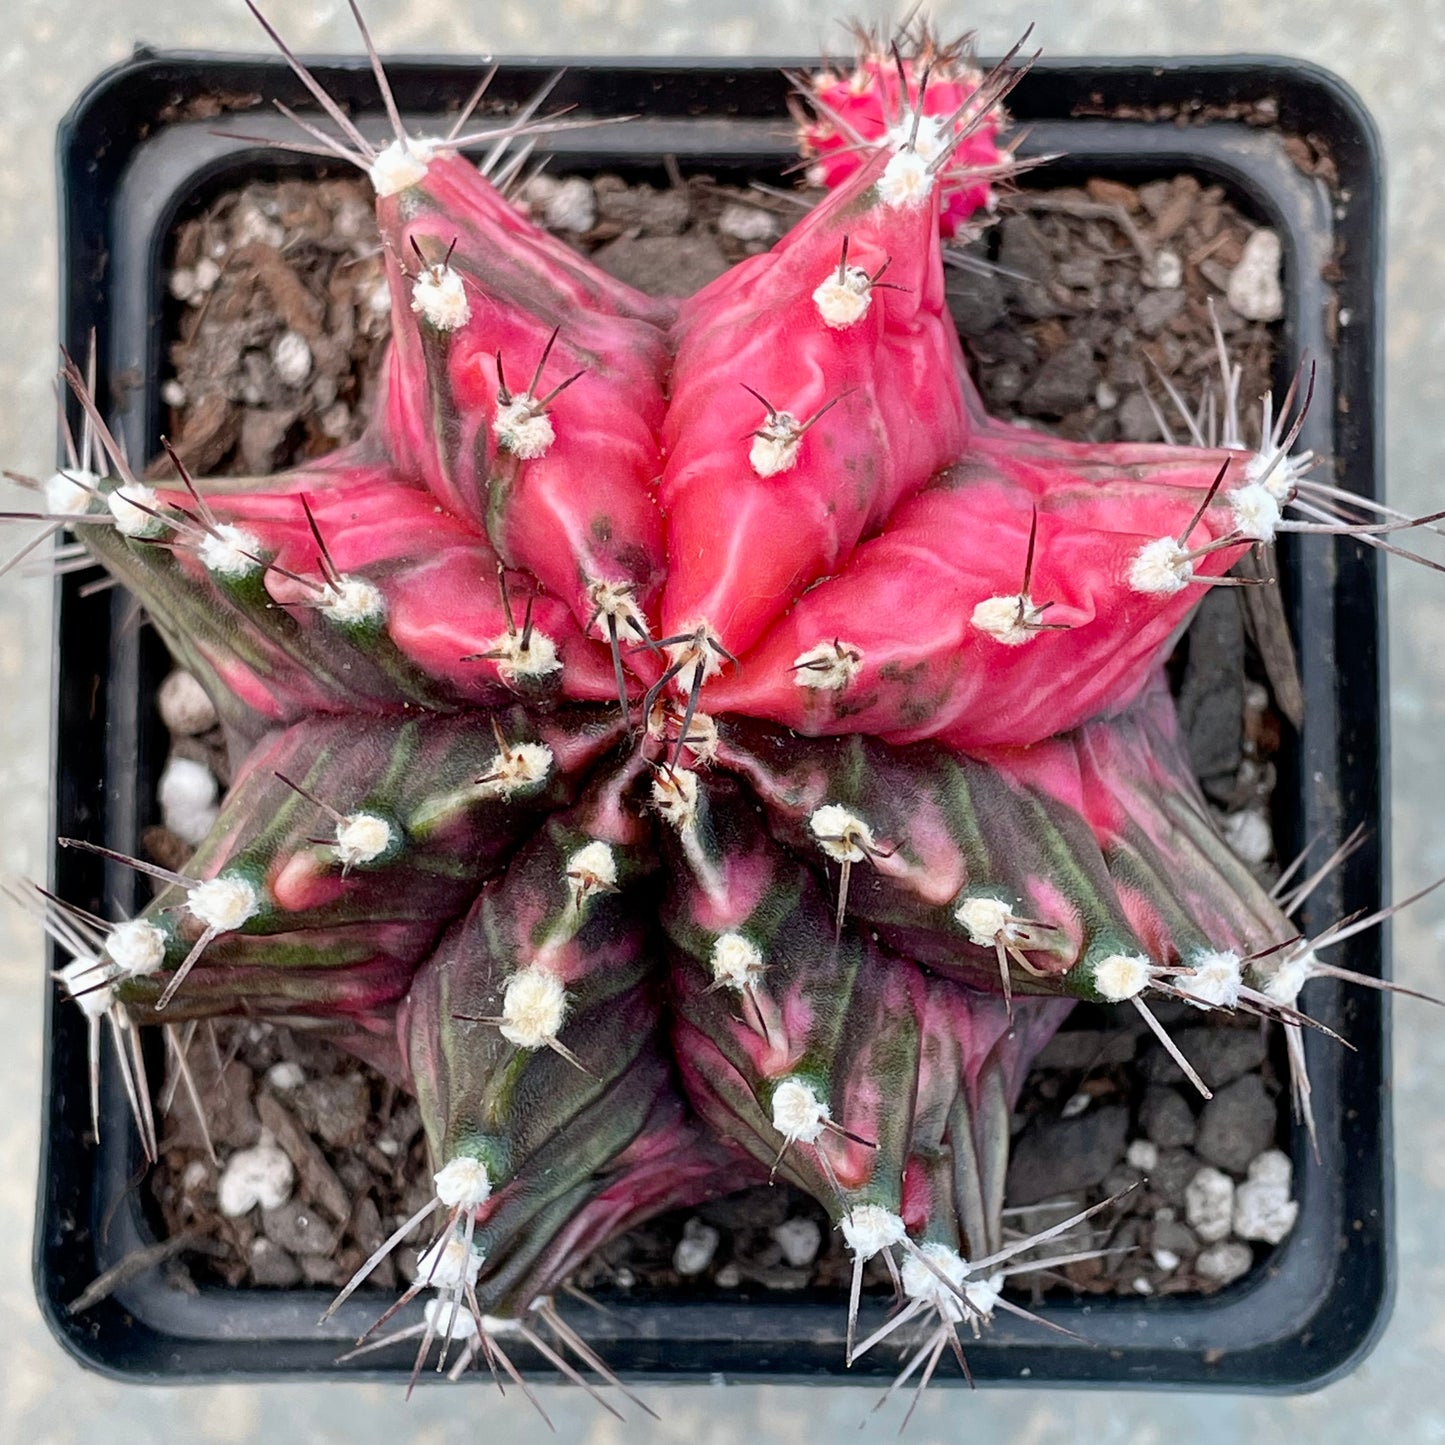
(141, 148)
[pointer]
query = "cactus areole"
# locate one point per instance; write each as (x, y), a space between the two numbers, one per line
(691, 741)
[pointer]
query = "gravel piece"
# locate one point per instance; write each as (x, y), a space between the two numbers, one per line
(696, 1248)
(231, 1116)
(318, 1179)
(1154, 310)
(320, 1269)
(649, 211)
(1255, 292)
(1220, 1052)
(1167, 1118)
(664, 265)
(1170, 1236)
(184, 706)
(1225, 1262)
(1081, 272)
(338, 1108)
(1062, 1156)
(1263, 1208)
(747, 223)
(976, 302)
(1142, 1154)
(1211, 691)
(1065, 382)
(1022, 250)
(291, 357)
(568, 204)
(188, 792)
(1085, 1050)
(1136, 419)
(1209, 1204)
(1238, 1123)
(260, 1175)
(799, 1238)
(1167, 272)
(1171, 1175)
(1249, 836)
(271, 1266)
(285, 1076)
(298, 1229)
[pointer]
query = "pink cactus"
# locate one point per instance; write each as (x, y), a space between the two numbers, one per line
(928, 88)
(712, 690)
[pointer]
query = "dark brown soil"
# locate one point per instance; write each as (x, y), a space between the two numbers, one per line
(279, 322)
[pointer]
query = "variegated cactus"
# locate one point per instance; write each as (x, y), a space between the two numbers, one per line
(683, 742)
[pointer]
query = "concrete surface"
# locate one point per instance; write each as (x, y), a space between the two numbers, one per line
(1389, 52)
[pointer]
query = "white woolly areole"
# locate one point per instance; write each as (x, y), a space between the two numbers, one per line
(440, 299)
(696, 656)
(463, 1182)
(843, 301)
(592, 868)
(361, 838)
(69, 492)
(353, 600)
(920, 1283)
(799, 1115)
(127, 505)
(85, 981)
(737, 962)
(984, 919)
(617, 600)
(1161, 567)
(449, 1263)
(702, 735)
(1004, 619)
(983, 1294)
(906, 180)
(223, 903)
(829, 667)
(841, 834)
(523, 655)
(523, 431)
(445, 1317)
(926, 142)
(401, 165)
(1277, 473)
(775, 446)
(1256, 511)
(137, 948)
(1284, 984)
(869, 1229)
(533, 1007)
(1121, 976)
(262, 1174)
(1215, 982)
(674, 795)
(520, 766)
(230, 551)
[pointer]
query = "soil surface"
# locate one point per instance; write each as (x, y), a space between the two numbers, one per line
(1066, 305)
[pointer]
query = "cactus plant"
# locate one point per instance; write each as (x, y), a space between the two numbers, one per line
(693, 743)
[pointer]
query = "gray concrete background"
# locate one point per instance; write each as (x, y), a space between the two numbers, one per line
(1390, 53)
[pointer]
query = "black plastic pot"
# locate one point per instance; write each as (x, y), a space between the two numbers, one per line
(131, 161)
